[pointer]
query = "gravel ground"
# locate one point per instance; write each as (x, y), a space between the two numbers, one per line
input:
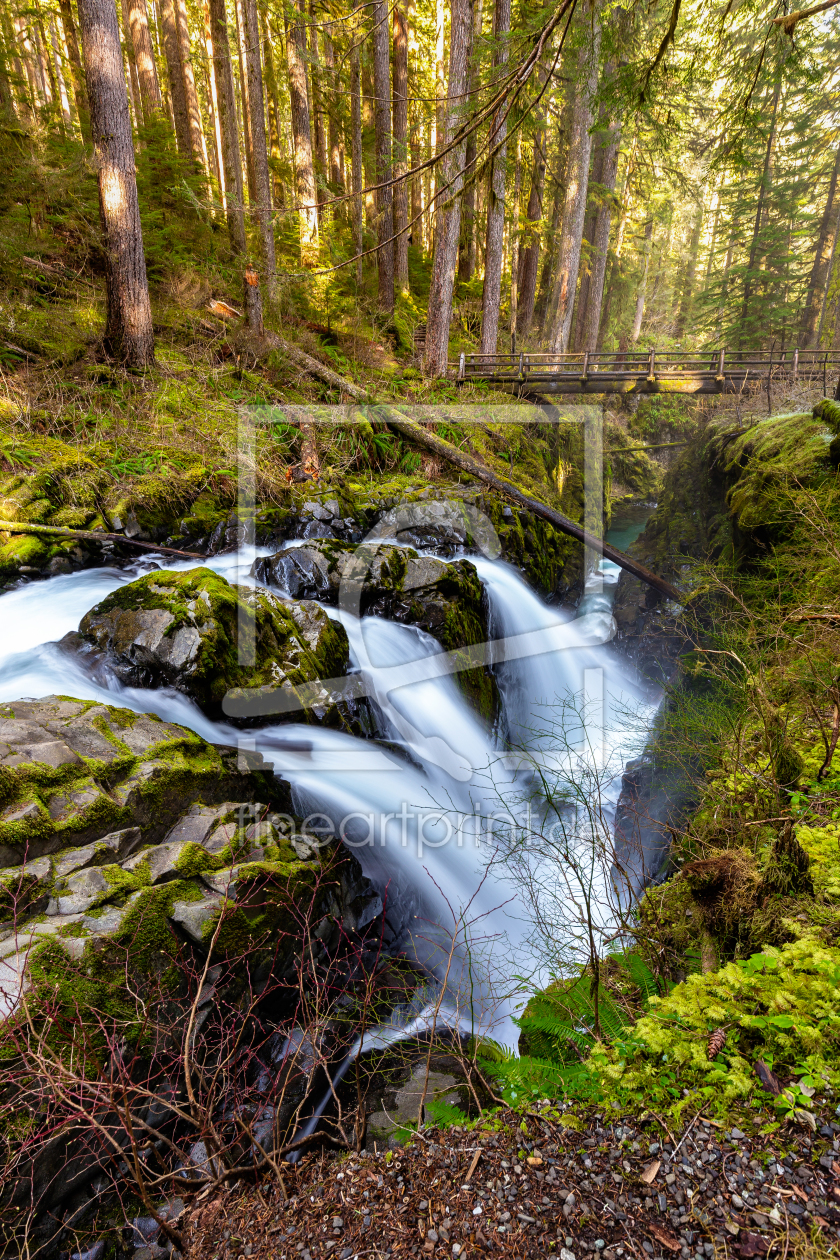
(533, 1187)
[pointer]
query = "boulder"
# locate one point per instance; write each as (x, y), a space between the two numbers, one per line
(444, 599)
(206, 637)
(152, 768)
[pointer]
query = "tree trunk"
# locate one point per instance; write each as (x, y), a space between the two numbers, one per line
(640, 296)
(515, 238)
(196, 136)
(819, 272)
(213, 90)
(172, 52)
(450, 180)
(133, 80)
(275, 114)
(128, 332)
(302, 134)
(601, 241)
(242, 60)
(333, 130)
(491, 297)
(252, 301)
(6, 97)
(317, 107)
(589, 222)
(137, 19)
(577, 182)
(11, 57)
(529, 249)
(400, 148)
(228, 126)
(466, 247)
(382, 126)
(687, 296)
(79, 86)
(356, 140)
(541, 306)
(256, 114)
(759, 210)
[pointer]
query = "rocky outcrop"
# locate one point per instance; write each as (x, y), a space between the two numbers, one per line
(210, 639)
(72, 771)
(108, 938)
(444, 599)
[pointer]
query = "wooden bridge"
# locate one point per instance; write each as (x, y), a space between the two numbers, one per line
(651, 371)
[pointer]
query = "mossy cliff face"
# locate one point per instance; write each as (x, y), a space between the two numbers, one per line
(197, 632)
(73, 771)
(444, 599)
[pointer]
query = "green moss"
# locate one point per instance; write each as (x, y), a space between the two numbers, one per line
(194, 859)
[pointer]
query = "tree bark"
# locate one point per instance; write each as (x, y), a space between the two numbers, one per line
(819, 272)
(213, 91)
(466, 248)
(242, 61)
(178, 96)
(333, 131)
(252, 301)
(596, 171)
(196, 136)
(138, 22)
(133, 79)
(302, 133)
(256, 114)
(760, 208)
(601, 241)
(577, 182)
(515, 240)
(450, 182)
(491, 297)
(128, 332)
(79, 86)
(382, 127)
(11, 56)
(6, 96)
(400, 148)
(228, 126)
(640, 296)
(687, 296)
(356, 141)
(274, 112)
(529, 251)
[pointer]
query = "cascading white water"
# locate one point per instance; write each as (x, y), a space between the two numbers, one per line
(421, 824)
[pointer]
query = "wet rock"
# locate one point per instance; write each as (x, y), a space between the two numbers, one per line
(85, 889)
(445, 600)
(183, 630)
(25, 888)
(389, 1125)
(196, 918)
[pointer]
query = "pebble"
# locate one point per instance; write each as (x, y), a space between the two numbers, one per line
(565, 1254)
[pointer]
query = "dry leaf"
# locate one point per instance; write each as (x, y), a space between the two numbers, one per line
(769, 1079)
(651, 1171)
(662, 1235)
(534, 1161)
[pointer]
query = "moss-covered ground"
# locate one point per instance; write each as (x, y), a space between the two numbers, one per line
(725, 999)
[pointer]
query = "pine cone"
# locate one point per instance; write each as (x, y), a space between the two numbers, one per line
(716, 1042)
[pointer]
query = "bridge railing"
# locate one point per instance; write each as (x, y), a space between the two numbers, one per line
(617, 365)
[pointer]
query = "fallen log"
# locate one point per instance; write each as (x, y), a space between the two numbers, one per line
(416, 433)
(24, 527)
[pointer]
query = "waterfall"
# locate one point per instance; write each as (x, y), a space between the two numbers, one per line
(419, 808)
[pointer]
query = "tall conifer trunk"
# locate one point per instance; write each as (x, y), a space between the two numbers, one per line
(382, 127)
(601, 242)
(495, 230)
(448, 206)
(400, 148)
(818, 280)
(178, 96)
(228, 126)
(529, 253)
(256, 113)
(577, 183)
(138, 22)
(302, 133)
(356, 146)
(128, 331)
(79, 86)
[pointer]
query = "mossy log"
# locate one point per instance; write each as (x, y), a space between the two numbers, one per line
(24, 527)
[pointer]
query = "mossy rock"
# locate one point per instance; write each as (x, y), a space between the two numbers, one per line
(199, 633)
(72, 771)
(444, 599)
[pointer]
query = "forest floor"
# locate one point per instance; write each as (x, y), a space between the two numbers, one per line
(529, 1185)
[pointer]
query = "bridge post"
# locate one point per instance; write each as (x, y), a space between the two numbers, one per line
(652, 367)
(462, 364)
(720, 378)
(585, 373)
(521, 366)
(796, 364)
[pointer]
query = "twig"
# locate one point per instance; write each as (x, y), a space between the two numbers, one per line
(24, 527)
